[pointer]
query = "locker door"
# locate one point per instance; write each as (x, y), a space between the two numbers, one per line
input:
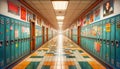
(100, 47)
(16, 39)
(118, 41)
(22, 31)
(108, 30)
(104, 40)
(2, 29)
(29, 37)
(12, 43)
(19, 39)
(7, 40)
(26, 44)
(112, 43)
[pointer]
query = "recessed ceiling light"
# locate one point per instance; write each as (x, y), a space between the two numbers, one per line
(60, 5)
(60, 17)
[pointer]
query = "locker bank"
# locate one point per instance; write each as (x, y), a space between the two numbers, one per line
(59, 34)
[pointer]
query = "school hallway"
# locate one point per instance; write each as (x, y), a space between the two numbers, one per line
(59, 34)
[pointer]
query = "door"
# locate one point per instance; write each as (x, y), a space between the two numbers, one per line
(32, 32)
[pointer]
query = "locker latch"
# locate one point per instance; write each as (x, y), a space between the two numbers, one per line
(112, 43)
(11, 42)
(7, 42)
(1, 43)
(117, 43)
(100, 39)
(107, 42)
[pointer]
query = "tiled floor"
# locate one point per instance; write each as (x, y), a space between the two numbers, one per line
(59, 53)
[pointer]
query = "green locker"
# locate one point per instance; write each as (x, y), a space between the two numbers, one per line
(12, 43)
(117, 41)
(108, 30)
(7, 40)
(112, 43)
(2, 53)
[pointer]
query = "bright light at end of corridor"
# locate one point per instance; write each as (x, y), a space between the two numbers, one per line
(59, 63)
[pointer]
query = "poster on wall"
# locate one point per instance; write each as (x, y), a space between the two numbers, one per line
(84, 21)
(29, 16)
(23, 13)
(91, 17)
(108, 8)
(87, 19)
(97, 14)
(12, 8)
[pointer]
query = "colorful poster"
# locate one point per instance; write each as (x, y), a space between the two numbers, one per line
(87, 19)
(23, 13)
(108, 8)
(29, 16)
(91, 17)
(13, 8)
(97, 14)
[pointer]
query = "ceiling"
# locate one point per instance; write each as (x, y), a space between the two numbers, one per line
(74, 9)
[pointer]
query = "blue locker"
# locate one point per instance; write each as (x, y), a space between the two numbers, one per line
(19, 39)
(28, 37)
(104, 40)
(99, 36)
(117, 41)
(22, 37)
(12, 43)
(24, 41)
(108, 30)
(112, 43)
(2, 29)
(7, 40)
(16, 39)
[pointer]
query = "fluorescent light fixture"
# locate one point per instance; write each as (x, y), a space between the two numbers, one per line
(60, 5)
(60, 22)
(60, 17)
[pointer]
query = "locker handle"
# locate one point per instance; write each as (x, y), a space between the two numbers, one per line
(7, 42)
(117, 43)
(112, 43)
(107, 41)
(11, 42)
(100, 39)
(0, 32)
